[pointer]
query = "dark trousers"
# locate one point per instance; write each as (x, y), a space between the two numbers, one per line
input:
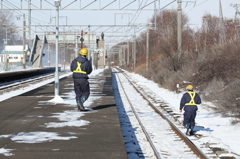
(81, 88)
(190, 113)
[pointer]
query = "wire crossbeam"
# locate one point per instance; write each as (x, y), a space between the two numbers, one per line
(77, 5)
(95, 28)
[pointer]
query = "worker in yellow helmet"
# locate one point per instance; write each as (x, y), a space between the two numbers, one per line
(81, 68)
(189, 103)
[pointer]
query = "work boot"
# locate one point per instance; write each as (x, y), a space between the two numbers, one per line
(188, 132)
(192, 132)
(81, 101)
(188, 128)
(78, 105)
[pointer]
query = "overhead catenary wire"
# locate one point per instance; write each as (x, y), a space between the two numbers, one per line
(21, 13)
(133, 23)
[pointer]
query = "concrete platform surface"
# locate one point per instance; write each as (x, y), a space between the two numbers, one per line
(33, 127)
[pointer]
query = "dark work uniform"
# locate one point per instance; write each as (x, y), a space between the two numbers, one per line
(189, 101)
(81, 67)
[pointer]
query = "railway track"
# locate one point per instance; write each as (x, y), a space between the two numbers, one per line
(17, 84)
(160, 149)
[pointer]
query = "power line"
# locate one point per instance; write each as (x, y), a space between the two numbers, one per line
(20, 12)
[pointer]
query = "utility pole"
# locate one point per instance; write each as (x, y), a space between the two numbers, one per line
(147, 48)
(236, 20)
(89, 42)
(119, 57)
(81, 39)
(29, 22)
(76, 46)
(24, 42)
(134, 61)
(64, 58)
(5, 50)
(57, 5)
(205, 29)
(49, 54)
(124, 56)
(93, 60)
(127, 53)
(222, 30)
(155, 16)
(132, 54)
(179, 31)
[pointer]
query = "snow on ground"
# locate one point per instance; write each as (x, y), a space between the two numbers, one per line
(66, 118)
(166, 142)
(218, 128)
(38, 137)
(6, 152)
(29, 88)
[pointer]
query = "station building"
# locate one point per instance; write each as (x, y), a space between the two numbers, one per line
(14, 53)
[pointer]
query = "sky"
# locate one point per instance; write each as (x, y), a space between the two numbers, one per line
(195, 9)
(215, 128)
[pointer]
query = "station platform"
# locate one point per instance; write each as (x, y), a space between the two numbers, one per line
(32, 127)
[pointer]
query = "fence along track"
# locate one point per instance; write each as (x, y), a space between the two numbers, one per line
(193, 147)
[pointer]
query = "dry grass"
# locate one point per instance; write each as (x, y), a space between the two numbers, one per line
(215, 74)
(212, 68)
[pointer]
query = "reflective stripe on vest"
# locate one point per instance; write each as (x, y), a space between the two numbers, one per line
(78, 69)
(192, 95)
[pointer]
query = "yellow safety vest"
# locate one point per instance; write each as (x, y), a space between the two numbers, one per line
(192, 95)
(78, 69)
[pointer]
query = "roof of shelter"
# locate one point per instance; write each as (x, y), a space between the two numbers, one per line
(15, 49)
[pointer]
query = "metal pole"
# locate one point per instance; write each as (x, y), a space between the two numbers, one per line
(6, 36)
(222, 32)
(119, 57)
(179, 31)
(81, 40)
(49, 54)
(56, 65)
(6, 53)
(147, 48)
(29, 22)
(93, 60)
(128, 53)
(64, 64)
(24, 42)
(124, 56)
(89, 42)
(155, 15)
(76, 46)
(132, 54)
(134, 50)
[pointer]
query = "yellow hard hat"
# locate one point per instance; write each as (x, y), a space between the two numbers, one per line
(189, 87)
(83, 52)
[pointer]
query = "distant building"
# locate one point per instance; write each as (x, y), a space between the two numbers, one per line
(14, 53)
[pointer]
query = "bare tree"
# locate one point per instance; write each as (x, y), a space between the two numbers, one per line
(7, 26)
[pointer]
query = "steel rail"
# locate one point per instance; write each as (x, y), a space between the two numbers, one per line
(140, 123)
(191, 145)
(23, 81)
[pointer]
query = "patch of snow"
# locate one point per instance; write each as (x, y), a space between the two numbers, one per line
(6, 152)
(38, 137)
